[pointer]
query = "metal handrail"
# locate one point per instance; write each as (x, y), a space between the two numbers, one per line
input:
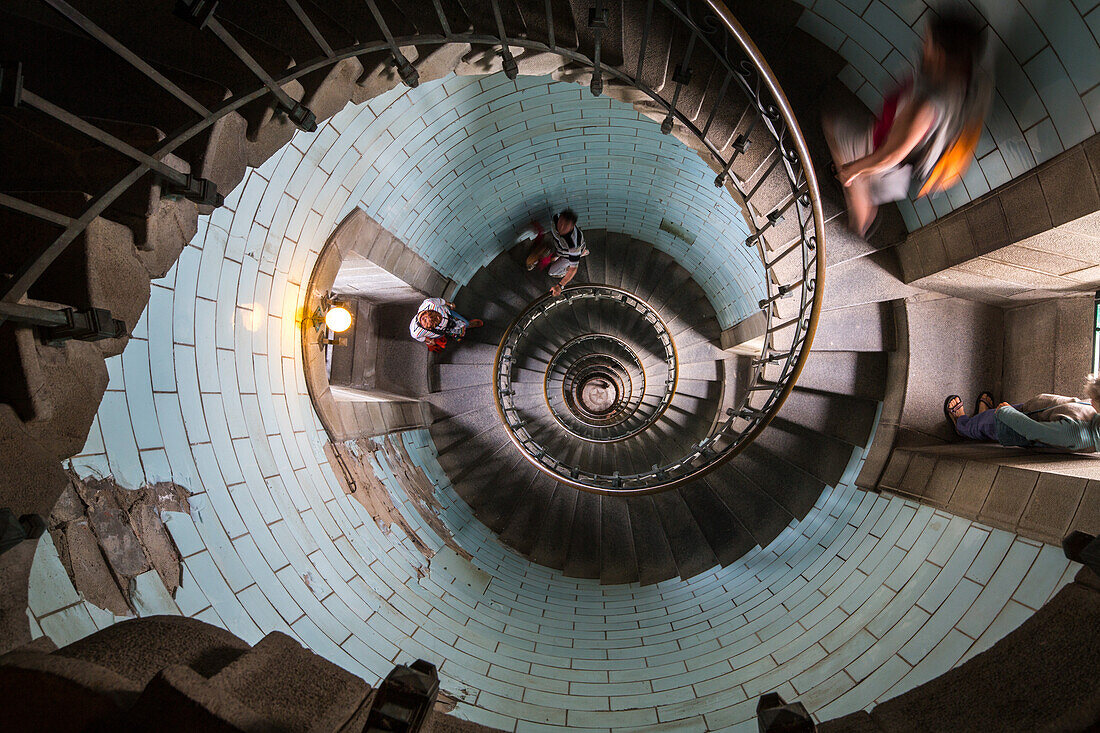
(503, 371)
(710, 32)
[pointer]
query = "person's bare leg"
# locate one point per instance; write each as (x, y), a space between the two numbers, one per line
(861, 210)
(828, 127)
(857, 197)
(536, 253)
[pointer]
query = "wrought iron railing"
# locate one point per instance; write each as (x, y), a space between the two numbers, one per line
(704, 33)
(631, 416)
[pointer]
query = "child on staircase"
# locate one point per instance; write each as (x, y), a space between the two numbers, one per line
(435, 320)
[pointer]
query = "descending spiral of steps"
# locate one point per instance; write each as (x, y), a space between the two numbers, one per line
(608, 369)
(647, 538)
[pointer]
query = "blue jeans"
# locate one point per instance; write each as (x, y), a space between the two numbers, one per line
(982, 426)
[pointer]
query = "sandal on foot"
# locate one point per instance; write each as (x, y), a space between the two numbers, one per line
(985, 398)
(953, 413)
(476, 322)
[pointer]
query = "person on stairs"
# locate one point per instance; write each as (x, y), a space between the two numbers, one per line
(928, 127)
(435, 320)
(1046, 421)
(559, 252)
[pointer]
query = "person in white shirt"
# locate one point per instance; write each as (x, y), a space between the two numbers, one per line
(558, 251)
(436, 320)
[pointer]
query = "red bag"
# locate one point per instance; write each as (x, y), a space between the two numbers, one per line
(437, 344)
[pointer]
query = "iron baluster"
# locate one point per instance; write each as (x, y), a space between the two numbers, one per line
(740, 144)
(645, 38)
(443, 22)
(200, 13)
(196, 189)
(550, 40)
(597, 23)
(310, 27)
(681, 75)
(406, 70)
(718, 103)
(773, 218)
(78, 19)
(38, 212)
(507, 61)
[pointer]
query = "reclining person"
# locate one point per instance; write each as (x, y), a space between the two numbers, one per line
(1045, 421)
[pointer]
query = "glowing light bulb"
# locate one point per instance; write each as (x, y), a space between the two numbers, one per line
(338, 319)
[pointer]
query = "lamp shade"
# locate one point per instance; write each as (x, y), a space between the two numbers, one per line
(338, 319)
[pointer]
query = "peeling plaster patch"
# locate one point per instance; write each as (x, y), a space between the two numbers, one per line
(445, 702)
(108, 537)
(460, 570)
(358, 465)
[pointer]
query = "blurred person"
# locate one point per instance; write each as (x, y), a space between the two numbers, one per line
(1046, 421)
(435, 320)
(559, 250)
(927, 129)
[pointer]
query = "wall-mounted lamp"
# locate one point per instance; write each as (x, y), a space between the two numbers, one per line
(338, 319)
(330, 315)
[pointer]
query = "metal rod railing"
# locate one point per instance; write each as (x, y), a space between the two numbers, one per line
(715, 34)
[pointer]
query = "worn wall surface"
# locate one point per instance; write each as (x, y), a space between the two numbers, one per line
(1048, 347)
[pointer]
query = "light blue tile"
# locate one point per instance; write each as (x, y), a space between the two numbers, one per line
(995, 170)
(49, 587)
(821, 29)
(1043, 141)
(999, 589)
(1061, 99)
(1072, 41)
(858, 30)
(1015, 86)
(1091, 101)
(1013, 25)
(68, 625)
(1009, 138)
(149, 596)
(1041, 578)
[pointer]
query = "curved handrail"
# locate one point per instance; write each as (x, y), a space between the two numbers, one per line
(505, 355)
(712, 30)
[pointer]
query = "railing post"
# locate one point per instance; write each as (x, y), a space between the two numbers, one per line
(773, 715)
(404, 699)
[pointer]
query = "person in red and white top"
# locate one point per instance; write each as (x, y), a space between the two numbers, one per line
(436, 320)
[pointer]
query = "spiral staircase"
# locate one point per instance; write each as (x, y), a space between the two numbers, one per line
(625, 536)
(603, 433)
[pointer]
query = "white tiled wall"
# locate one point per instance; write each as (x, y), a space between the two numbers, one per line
(455, 167)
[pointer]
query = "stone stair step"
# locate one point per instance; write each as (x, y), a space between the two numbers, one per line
(291, 687)
(618, 558)
(523, 525)
(651, 549)
(552, 545)
(727, 536)
(583, 557)
(690, 549)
